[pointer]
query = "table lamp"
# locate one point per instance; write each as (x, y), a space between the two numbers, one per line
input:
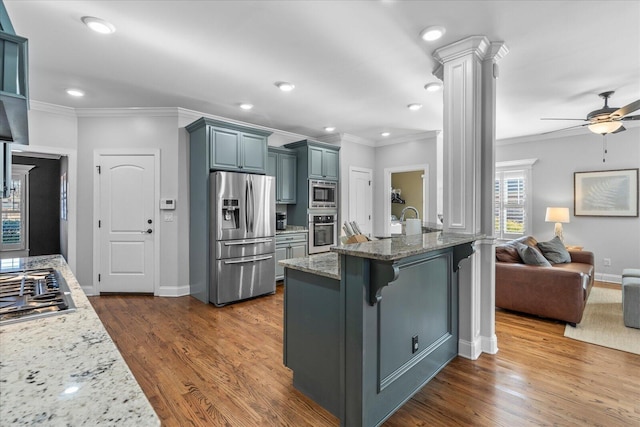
(559, 216)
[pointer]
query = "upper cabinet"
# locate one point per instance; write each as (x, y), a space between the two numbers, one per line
(282, 164)
(230, 147)
(321, 160)
(14, 83)
(323, 163)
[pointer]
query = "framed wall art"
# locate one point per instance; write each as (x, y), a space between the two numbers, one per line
(606, 193)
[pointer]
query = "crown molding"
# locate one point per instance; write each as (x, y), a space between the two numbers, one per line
(422, 136)
(192, 115)
(337, 138)
(129, 111)
(52, 108)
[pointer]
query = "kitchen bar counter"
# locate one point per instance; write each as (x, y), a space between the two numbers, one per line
(395, 248)
(362, 340)
(326, 264)
(65, 370)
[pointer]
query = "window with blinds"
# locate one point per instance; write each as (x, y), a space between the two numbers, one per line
(14, 213)
(512, 196)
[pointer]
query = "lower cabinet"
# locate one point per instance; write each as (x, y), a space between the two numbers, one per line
(289, 245)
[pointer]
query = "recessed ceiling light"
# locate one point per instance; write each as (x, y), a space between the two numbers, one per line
(432, 33)
(330, 128)
(385, 133)
(433, 87)
(246, 106)
(98, 25)
(414, 107)
(285, 86)
(75, 92)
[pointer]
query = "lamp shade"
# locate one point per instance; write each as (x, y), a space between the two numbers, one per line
(603, 128)
(557, 215)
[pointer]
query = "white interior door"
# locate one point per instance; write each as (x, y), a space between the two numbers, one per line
(127, 223)
(361, 198)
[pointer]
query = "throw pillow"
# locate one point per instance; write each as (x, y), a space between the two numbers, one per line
(531, 255)
(554, 251)
(507, 253)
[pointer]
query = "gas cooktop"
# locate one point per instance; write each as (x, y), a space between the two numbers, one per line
(32, 294)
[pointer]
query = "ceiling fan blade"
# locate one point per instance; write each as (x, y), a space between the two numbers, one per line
(582, 120)
(631, 118)
(629, 108)
(620, 129)
(570, 127)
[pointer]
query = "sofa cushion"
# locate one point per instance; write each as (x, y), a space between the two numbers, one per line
(554, 251)
(532, 256)
(507, 252)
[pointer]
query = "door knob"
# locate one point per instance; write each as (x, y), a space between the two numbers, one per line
(149, 231)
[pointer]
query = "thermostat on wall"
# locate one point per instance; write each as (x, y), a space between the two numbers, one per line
(167, 204)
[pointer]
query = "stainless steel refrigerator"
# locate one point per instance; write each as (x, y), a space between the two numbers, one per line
(242, 236)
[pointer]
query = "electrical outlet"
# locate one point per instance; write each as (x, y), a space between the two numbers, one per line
(414, 344)
(606, 262)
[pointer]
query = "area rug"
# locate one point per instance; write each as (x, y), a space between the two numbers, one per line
(602, 323)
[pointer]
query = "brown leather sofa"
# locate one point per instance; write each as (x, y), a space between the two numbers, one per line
(557, 292)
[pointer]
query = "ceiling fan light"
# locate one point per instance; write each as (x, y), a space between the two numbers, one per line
(603, 128)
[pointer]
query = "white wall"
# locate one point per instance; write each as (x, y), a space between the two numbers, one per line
(353, 154)
(558, 158)
(419, 151)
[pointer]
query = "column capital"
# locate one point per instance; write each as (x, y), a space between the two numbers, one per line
(480, 46)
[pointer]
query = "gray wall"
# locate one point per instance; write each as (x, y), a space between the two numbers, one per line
(558, 159)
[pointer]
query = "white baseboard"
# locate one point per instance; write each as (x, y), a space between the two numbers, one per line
(612, 278)
(489, 344)
(469, 350)
(173, 291)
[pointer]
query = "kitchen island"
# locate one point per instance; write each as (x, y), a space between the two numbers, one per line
(369, 324)
(64, 370)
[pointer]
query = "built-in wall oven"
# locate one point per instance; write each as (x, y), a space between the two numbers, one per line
(323, 194)
(323, 232)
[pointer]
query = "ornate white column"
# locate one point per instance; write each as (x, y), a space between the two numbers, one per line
(468, 70)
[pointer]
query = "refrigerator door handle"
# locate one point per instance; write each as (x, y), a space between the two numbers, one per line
(246, 204)
(253, 205)
(249, 260)
(252, 242)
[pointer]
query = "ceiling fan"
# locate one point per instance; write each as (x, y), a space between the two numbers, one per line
(606, 119)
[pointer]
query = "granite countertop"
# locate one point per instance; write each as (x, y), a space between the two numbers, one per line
(326, 264)
(65, 370)
(293, 229)
(399, 247)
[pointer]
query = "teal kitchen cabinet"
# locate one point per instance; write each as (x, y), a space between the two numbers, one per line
(215, 145)
(289, 245)
(316, 160)
(282, 164)
(323, 163)
(231, 147)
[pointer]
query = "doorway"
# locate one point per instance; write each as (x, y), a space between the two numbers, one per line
(361, 198)
(126, 238)
(413, 182)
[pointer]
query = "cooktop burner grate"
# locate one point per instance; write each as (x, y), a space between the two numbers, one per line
(33, 294)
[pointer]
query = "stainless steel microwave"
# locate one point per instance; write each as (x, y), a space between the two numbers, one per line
(323, 194)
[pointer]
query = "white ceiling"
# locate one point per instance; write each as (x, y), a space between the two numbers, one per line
(356, 64)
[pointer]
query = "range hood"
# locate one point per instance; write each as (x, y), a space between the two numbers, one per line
(13, 120)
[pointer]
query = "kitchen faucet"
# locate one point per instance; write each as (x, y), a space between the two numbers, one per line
(412, 208)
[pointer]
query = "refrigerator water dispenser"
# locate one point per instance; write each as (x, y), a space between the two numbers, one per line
(230, 214)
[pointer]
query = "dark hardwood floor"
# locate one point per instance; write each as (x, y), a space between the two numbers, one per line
(206, 366)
